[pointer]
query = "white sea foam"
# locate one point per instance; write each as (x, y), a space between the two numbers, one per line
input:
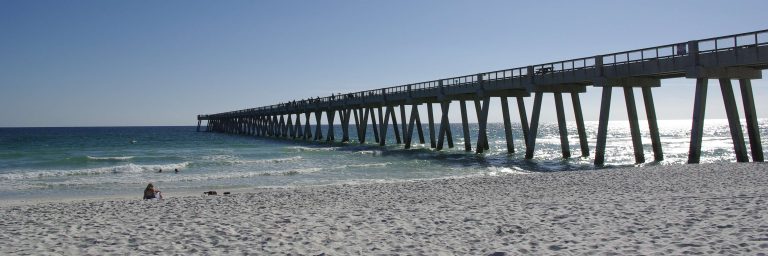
(128, 168)
(273, 160)
(110, 158)
(496, 171)
(290, 172)
(302, 149)
(370, 152)
(100, 180)
(219, 158)
(361, 165)
(230, 159)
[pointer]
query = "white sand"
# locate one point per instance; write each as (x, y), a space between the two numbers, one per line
(662, 210)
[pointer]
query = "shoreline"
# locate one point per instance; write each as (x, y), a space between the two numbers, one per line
(665, 209)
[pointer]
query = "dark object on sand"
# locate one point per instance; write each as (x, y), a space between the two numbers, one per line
(151, 192)
(227, 193)
(210, 193)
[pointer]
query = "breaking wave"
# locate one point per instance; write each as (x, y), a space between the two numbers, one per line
(128, 168)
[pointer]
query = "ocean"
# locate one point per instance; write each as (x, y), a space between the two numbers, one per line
(51, 163)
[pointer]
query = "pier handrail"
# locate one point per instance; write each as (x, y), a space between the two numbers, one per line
(755, 36)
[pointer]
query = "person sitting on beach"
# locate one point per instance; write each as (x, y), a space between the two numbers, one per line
(151, 193)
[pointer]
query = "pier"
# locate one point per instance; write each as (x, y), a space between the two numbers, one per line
(740, 57)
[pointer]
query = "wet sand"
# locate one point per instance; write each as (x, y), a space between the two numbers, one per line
(657, 210)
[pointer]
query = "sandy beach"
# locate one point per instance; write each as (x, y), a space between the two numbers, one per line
(657, 210)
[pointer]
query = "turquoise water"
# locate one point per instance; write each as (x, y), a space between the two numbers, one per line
(83, 162)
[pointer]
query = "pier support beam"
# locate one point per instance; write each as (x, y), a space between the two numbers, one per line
(419, 126)
(634, 127)
(395, 128)
(431, 121)
(276, 127)
(248, 123)
(653, 127)
(697, 128)
(751, 115)
(408, 133)
(482, 123)
(299, 133)
(364, 125)
(739, 148)
(307, 129)
(531, 145)
(358, 124)
(270, 126)
(374, 125)
(404, 123)
(383, 121)
(580, 124)
(523, 120)
(291, 131)
(465, 126)
(478, 113)
(602, 127)
(318, 125)
(330, 115)
(345, 116)
(445, 127)
(507, 125)
(265, 120)
(256, 125)
(564, 145)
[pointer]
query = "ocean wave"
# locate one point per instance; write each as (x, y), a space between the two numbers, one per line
(219, 158)
(128, 168)
(273, 160)
(110, 158)
(360, 165)
(496, 171)
(370, 152)
(290, 172)
(302, 149)
(230, 159)
(87, 181)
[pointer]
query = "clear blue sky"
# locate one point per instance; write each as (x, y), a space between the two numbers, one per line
(109, 63)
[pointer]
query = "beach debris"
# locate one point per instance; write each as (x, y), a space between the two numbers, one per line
(227, 193)
(210, 193)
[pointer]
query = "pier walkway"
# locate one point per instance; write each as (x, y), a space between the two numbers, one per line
(740, 57)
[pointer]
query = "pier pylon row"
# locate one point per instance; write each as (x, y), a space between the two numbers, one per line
(383, 118)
